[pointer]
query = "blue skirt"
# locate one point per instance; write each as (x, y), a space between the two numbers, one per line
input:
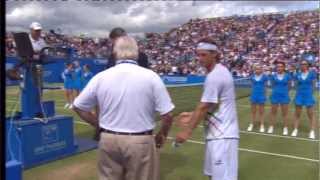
(256, 99)
(77, 85)
(304, 100)
(279, 98)
(68, 85)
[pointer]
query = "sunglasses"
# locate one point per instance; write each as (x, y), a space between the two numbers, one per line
(304, 64)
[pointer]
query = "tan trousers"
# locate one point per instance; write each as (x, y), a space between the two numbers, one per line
(123, 157)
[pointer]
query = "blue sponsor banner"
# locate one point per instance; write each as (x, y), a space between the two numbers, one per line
(52, 72)
(190, 79)
(318, 85)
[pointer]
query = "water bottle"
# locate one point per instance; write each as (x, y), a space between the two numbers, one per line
(175, 144)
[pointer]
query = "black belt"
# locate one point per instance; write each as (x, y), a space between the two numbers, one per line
(126, 133)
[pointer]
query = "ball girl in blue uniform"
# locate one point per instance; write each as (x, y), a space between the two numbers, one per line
(280, 82)
(87, 75)
(77, 82)
(304, 97)
(68, 84)
(258, 97)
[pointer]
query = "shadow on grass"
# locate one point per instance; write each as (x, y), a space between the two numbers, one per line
(88, 133)
(169, 162)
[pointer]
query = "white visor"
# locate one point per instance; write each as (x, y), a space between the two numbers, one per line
(207, 46)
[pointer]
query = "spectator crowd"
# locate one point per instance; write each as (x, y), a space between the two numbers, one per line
(244, 41)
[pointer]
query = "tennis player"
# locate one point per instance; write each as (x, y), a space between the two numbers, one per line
(218, 107)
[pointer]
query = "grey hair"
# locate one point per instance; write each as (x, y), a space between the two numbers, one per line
(126, 47)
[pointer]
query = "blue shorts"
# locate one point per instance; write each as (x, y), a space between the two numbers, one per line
(277, 98)
(77, 85)
(68, 86)
(306, 100)
(257, 99)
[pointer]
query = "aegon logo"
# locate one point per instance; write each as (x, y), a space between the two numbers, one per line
(47, 73)
(175, 79)
(100, 61)
(50, 133)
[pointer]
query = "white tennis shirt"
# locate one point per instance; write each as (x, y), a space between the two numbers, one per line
(37, 44)
(219, 88)
(128, 97)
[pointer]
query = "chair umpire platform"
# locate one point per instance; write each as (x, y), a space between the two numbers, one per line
(36, 135)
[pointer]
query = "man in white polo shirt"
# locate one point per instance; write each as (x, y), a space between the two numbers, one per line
(35, 37)
(218, 107)
(128, 97)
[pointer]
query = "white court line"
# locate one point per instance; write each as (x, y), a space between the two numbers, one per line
(269, 106)
(10, 100)
(183, 85)
(83, 123)
(246, 132)
(240, 106)
(261, 152)
(241, 149)
(278, 136)
(274, 135)
(58, 101)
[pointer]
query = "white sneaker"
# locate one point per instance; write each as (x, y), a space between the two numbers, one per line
(66, 105)
(312, 134)
(250, 127)
(71, 106)
(285, 131)
(270, 130)
(294, 133)
(262, 128)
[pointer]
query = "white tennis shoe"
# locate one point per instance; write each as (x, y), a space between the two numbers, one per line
(285, 131)
(250, 127)
(294, 133)
(312, 135)
(270, 130)
(261, 128)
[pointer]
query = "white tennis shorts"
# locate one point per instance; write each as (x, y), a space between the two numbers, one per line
(221, 159)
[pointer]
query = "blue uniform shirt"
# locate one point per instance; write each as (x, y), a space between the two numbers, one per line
(68, 80)
(86, 78)
(280, 89)
(78, 78)
(258, 89)
(304, 89)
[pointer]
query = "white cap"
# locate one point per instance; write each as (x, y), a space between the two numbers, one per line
(35, 26)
